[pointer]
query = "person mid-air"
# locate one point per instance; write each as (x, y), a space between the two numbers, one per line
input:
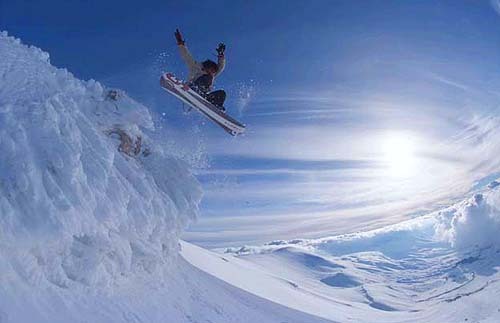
(197, 91)
(202, 74)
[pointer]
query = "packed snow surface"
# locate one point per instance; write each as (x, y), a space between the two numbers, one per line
(92, 205)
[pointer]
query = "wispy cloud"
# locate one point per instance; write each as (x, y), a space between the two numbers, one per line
(495, 4)
(313, 166)
(449, 82)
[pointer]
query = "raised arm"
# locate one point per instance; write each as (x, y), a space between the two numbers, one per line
(221, 59)
(187, 57)
(183, 50)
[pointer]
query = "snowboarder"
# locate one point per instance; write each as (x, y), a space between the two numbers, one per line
(202, 74)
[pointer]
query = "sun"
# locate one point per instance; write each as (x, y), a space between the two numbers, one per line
(398, 153)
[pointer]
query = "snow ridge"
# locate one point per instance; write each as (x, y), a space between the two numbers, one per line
(91, 207)
(74, 210)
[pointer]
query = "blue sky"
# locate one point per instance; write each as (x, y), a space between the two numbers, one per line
(359, 113)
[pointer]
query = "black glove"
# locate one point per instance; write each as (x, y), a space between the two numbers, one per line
(221, 49)
(178, 37)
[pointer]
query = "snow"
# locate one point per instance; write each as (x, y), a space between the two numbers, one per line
(92, 204)
(442, 267)
(473, 223)
(64, 184)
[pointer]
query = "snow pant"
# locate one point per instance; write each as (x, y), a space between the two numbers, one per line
(202, 86)
(217, 98)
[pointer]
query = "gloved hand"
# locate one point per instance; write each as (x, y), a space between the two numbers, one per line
(221, 49)
(178, 37)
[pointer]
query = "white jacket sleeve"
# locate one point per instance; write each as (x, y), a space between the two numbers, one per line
(221, 64)
(187, 57)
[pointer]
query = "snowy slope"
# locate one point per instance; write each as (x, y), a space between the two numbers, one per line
(74, 208)
(443, 267)
(91, 207)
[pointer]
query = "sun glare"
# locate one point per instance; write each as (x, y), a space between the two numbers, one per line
(398, 152)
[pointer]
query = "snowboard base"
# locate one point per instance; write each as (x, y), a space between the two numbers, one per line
(187, 95)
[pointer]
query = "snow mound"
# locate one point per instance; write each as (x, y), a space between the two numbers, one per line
(474, 223)
(86, 196)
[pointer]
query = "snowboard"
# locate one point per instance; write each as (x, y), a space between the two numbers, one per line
(182, 91)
